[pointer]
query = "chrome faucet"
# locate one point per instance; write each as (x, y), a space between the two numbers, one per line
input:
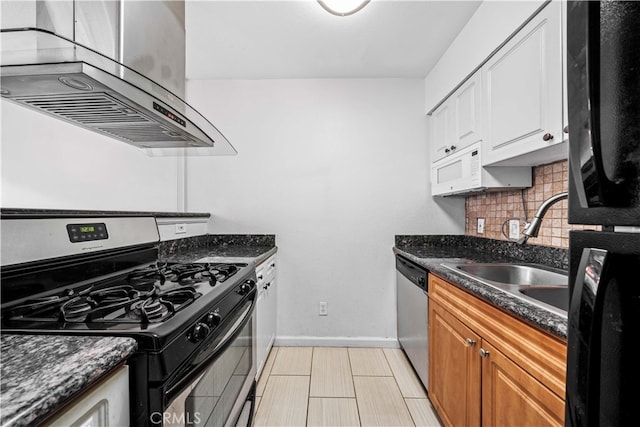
(532, 228)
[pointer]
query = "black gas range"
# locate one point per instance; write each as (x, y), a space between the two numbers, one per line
(101, 276)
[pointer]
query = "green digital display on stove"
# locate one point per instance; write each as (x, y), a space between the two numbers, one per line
(87, 232)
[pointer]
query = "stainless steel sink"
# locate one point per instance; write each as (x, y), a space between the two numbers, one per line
(557, 296)
(515, 274)
(542, 286)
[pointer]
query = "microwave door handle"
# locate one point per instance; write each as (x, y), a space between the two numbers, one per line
(594, 82)
(613, 66)
(586, 157)
(584, 343)
(609, 146)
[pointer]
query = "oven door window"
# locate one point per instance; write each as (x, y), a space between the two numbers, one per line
(209, 400)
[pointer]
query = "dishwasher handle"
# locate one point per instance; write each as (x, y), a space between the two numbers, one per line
(414, 272)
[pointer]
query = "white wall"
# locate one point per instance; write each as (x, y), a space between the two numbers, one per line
(47, 163)
(334, 168)
(488, 28)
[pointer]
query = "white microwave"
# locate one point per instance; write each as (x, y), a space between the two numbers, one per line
(462, 173)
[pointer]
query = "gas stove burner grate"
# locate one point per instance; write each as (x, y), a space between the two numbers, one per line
(76, 309)
(148, 275)
(190, 273)
(35, 306)
(151, 294)
(179, 296)
(152, 310)
(120, 294)
(182, 274)
(120, 304)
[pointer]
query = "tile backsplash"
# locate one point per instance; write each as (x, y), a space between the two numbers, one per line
(498, 207)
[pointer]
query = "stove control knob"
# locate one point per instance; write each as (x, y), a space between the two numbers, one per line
(213, 318)
(245, 288)
(199, 332)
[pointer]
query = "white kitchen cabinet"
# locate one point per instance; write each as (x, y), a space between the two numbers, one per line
(105, 405)
(266, 310)
(441, 131)
(456, 123)
(522, 94)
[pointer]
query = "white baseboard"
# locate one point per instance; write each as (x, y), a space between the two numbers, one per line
(283, 341)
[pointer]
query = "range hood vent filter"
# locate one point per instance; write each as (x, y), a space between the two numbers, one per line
(148, 134)
(86, 110)
(101, 113)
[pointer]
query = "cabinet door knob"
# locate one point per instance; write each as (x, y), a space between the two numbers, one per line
(446, 150)
(470, 342)
(484, 353)
(453, 147)
(565, 129)
(547, 137)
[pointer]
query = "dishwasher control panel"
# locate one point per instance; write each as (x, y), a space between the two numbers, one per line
(412, 271)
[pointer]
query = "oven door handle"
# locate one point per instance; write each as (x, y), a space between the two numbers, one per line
(234, 328)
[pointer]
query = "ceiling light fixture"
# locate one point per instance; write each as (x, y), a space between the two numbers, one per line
(343, 7)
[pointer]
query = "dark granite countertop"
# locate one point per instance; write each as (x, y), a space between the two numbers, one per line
(8, 213)
(40, 373)
(248, 248)
(431, 251)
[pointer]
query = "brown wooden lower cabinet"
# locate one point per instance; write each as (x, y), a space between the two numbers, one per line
(454, 369)
(488, 368)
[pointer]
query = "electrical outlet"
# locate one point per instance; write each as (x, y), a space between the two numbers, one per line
(480, 225)
(322, 309)
(181, 228)
(514, 228)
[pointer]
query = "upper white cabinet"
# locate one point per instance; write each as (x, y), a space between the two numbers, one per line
(456, 123)
(441, 131)
(523, 94)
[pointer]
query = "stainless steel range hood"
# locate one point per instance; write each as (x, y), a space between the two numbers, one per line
(116, 81)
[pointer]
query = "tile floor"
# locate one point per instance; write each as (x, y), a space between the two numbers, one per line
(337, 386)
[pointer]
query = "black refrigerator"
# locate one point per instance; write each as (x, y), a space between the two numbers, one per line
(603, 84)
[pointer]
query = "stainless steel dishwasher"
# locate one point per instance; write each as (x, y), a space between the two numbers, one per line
(413, 315)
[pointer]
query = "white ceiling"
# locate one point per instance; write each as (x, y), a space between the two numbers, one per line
(298, 39)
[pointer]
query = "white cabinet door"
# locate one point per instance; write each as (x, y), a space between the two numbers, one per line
(262, 334)
(523, 90)
(467, 100)
(456, 123)
(441, 131)
(106, 405)
(271, 314)
(266, 310)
